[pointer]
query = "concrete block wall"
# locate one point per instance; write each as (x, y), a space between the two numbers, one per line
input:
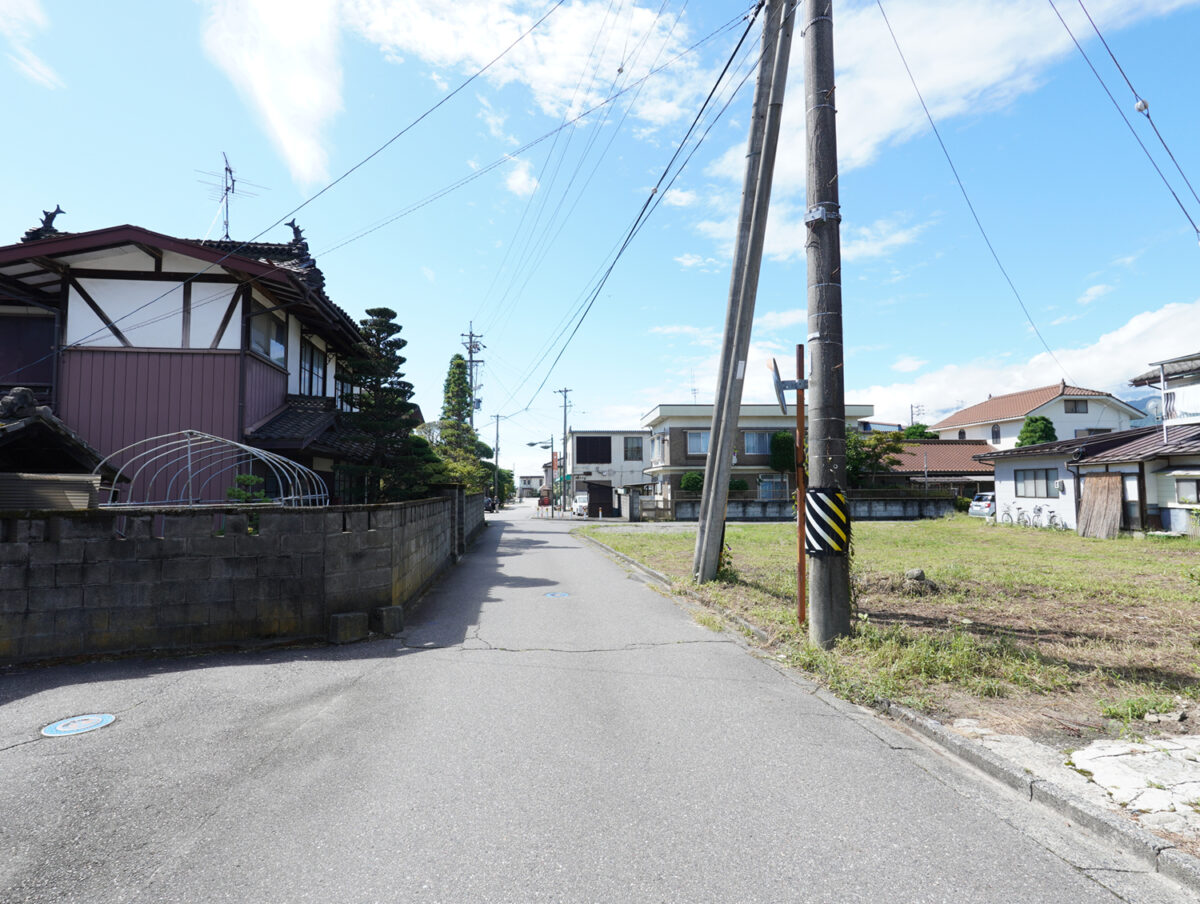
(74, 583)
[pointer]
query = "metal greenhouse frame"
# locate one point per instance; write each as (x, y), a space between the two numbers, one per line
(190, 468)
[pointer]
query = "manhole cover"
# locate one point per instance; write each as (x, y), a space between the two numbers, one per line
(557, 595)
(77, 725)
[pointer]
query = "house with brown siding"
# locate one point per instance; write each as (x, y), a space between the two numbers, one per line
(129, 334)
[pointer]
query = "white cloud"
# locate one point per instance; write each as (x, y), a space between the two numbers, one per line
(781, 320)
(706, 264)
(520, 179)
(1066, 318)
(465, 35)
(1106, 364)
(679, 198)
(428, 273)
(980, 57)
(19, 20)
(1092, 293)
(908, 364)
(282, 56)
(494, 120)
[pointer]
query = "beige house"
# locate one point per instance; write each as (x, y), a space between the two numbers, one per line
(1074, 411)
(679, 437)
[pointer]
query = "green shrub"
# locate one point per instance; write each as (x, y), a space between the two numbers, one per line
(692, 482)
(962, 504)
(737, 485)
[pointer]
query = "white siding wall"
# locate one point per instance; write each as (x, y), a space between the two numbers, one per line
(1101, 415)
(1009, 431)
(209, 303)
(121, 302)
(293, 355)
(1006, 495)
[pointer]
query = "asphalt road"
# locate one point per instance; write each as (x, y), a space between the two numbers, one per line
(549, 728)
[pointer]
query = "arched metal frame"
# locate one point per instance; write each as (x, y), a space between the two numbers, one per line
(190, 462)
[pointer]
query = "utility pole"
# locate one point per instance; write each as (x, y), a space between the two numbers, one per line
(496, 459)
(829, 610)
(743, 288)
(472, 345)
(563, 392)
(915, 411)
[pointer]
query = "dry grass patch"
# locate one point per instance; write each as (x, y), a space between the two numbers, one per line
(1044, 632)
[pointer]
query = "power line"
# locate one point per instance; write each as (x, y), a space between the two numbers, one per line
(301, 206)
(653, 200)
(1141, 106)
(962, 188)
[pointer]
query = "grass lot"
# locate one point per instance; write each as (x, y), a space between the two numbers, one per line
(1032, 631)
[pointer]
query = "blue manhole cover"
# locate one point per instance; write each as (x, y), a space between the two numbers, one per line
(557, 595)
(77, 725)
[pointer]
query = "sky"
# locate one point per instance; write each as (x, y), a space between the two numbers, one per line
(477, 166)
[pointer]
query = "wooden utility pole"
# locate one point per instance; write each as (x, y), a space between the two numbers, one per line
(473, 346)
(829, 612)
(496, 459)
(743, 288)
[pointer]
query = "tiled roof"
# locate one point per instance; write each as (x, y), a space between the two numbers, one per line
(309, 423)
(1013, 405)
(1142, 444)
(1175, 368)
(946, 456)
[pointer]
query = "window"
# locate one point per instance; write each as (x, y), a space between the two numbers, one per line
(633, 448)
(697, 442)
(962, 434)
(1076, 406)
(1093, 431)
(1039, 483)
(758, 443)
(268, 335)
(772, 486)
(312, 369)
(343, 387)
(593, 449)
(995, 433)
(1187, 491)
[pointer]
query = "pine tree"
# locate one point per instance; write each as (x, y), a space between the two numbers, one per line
(1036, 429)
(399, 465)
(458, 444)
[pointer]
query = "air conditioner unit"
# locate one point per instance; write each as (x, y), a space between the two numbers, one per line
(1060, 486)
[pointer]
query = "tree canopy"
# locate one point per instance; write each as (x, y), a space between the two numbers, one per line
(919, 431)
(457, 442)
(867, 456)
(783, 452)
(399, 465)
(1036, 429)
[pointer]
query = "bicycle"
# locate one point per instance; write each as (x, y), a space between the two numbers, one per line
(1022, 517)
(1040, 511)
(1006, 516)
(1057, 523)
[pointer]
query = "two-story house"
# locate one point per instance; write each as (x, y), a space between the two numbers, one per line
(129, 334)
(1074, 411)
(679, 437)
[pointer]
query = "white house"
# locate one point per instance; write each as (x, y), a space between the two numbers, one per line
(1075, 412)
(1159, 467)
(615, 458)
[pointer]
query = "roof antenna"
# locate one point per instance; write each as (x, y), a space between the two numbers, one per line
(227, 188)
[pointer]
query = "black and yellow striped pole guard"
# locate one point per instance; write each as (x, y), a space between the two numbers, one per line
(826, 522)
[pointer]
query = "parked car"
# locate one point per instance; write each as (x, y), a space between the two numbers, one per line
(983, 505)
(579, 506)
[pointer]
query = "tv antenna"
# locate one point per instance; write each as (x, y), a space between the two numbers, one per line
(229, 185)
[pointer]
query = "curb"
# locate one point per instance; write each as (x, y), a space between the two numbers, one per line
(1146, 846)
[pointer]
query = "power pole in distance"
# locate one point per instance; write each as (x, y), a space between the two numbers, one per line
(829, 585)
(496, 459)
(756, 197)
(563, 392)
(472, 345)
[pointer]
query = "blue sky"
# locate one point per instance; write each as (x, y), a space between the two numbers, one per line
(115, 109)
